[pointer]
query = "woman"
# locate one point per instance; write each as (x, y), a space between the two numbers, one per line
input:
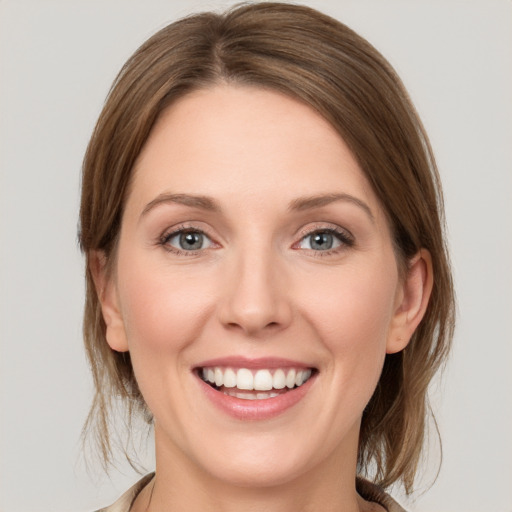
(267, 279)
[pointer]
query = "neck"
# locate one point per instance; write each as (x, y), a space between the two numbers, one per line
(181, 486)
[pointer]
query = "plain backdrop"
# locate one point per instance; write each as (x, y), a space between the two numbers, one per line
(57, 61)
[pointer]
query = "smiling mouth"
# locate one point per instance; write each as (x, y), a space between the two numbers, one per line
(251, 384)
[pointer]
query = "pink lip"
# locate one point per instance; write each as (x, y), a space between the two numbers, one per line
(249, 363)
(254, 410)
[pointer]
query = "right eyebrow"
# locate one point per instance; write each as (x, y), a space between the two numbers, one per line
(194, 201)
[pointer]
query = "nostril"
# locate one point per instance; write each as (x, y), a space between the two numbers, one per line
(253, 328)
(255, 301)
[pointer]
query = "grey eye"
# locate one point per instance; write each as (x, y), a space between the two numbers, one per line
(320, 241)
(189, 241)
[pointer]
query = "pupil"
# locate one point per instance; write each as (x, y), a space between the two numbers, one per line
(191, 241)
(322, 241)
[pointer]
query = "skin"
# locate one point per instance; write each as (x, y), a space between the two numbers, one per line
(255, 289)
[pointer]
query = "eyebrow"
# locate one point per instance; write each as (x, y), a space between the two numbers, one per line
(194, 201)
(310, 202)
(299, 204)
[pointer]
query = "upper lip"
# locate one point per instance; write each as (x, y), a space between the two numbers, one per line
(253, 363)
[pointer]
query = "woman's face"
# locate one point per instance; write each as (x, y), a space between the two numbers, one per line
(253, 253)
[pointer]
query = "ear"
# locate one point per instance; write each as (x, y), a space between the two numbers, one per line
(412, 301)
(107, 295)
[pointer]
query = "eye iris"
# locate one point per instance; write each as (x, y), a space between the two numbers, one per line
(321, 241)
(191, 241)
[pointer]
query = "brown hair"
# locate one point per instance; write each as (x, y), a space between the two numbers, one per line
(321, 62)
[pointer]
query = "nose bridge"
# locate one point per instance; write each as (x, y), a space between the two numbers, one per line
(256, 298)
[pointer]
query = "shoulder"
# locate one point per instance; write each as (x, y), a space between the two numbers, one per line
(124, 503)
(371, 492)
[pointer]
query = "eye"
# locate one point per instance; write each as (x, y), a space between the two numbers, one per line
(187, 240)
(325, 240)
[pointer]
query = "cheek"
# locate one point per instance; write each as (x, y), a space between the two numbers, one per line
(353, 317)
(355, 305)
(162, 310)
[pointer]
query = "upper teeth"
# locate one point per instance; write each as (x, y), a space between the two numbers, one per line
(259, 380)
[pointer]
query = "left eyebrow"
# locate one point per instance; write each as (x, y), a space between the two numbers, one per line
(310, 202)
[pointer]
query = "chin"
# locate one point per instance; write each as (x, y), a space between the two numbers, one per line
(258, 471)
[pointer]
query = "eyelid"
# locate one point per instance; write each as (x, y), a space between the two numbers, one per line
(332, 228)
(186, 227)
(204, 239)
(344, 236)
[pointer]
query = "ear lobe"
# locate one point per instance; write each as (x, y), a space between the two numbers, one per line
(107, 295)
(414, 296)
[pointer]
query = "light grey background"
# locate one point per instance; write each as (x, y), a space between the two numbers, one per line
(57, 61)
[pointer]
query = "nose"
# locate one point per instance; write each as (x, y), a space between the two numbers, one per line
(256, 300)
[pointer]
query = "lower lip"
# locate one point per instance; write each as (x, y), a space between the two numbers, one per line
(256, 410)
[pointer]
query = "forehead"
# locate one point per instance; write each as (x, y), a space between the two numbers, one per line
(244, 143)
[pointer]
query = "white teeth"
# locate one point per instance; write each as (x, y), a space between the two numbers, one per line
(263, 396)
(244, 379)
(263, 380)
(218, 377)
(229, 378)
(290, 379)
(251, 396)
(249, 380)
(279, 380)
(244, 396)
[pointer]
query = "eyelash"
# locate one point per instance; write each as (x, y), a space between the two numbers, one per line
(183, 229)
(344, 237)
